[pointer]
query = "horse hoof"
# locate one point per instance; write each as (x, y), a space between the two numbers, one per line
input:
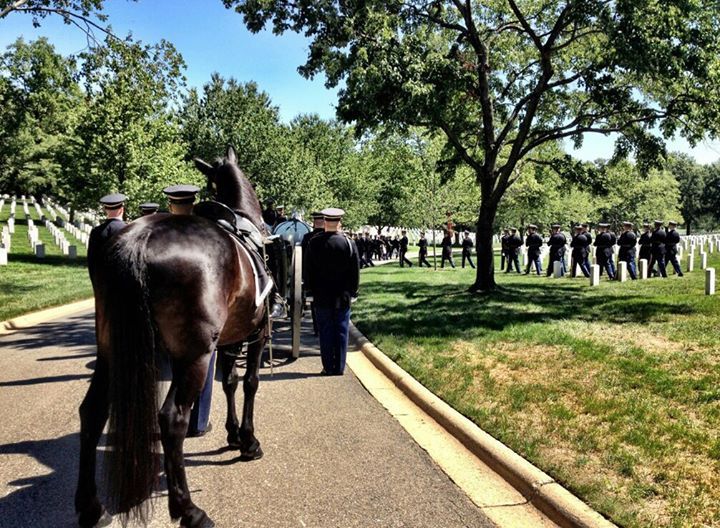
(254, 454)
(198, 519)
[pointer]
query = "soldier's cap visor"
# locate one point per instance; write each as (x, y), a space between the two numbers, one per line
(149, 206)
(333, 213)
(181, 194)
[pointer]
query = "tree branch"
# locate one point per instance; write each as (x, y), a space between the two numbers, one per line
(72, 17)
(12, 7)
(459, 147)
(524, 23)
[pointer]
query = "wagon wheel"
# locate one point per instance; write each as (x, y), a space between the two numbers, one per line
(296, 297)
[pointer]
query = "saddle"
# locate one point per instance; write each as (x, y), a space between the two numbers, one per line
(247, 235)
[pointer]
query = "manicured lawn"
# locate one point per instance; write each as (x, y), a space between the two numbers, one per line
(613, 390)
(29, 284)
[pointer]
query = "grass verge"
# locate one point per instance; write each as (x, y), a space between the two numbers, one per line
(28, 284)
(613, 390)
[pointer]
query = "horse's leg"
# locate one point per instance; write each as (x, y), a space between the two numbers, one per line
(93, 416)
(174, 419)
(228, 354)
(249, 445)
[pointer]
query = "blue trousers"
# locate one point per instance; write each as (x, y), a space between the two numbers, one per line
(513, 259)
(536, 261)
(672, 259)
(551, 266)
(333, 324)
(200, 415)
(632, 270)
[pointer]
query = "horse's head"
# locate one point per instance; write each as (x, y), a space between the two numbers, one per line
(231, 186)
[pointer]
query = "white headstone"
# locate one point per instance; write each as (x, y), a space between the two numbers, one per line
(703, 260)
(557, 269)
(3, 256)
(594, 275)
(11, 225)
(72, 252)
(622, 271)
(40, 250)
(710, 281)
(691, 261)
(643, 268)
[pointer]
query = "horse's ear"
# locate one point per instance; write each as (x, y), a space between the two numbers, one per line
(204, 167)
(230, 155)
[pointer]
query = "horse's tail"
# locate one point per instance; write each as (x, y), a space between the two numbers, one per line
(132, 467)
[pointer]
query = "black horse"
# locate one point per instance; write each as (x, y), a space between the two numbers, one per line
(178, 286)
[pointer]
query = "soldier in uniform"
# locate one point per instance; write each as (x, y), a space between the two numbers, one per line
(504, 248)
(334, 277)
(318, 227)
(181, 199)
(588, 243)
(671, 242)
(269, 214)
(114, 207)
(360, 244)
(557, 243)
(280, 215)
(579, 247)
(604, 244)
(646, 245)
(534, 242)
(467, 246)
(369, 247)
(422, 255)
(514, 242)
(446, 249)
(627, 243)
(149, 208)
(395, 246)
(403, 250)
(658, 239)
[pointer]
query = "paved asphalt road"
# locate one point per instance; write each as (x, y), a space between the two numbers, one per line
(333, 456)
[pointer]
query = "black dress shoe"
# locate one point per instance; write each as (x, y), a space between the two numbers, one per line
(198, 434)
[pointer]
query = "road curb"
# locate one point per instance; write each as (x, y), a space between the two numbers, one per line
(28, 320)
(548, 496)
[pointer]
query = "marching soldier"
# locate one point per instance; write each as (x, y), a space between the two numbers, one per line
(604, 244)
(658, 239)
(533, 242)
(334, 277)
(579, 247)
(671, 242)
(114, 207)
(403, 250)
(627, 243)
(181, 198)
(422, 254)
(646, 244)
(557, 243)
(360, 241)
(149, 208)
(588, 243)
(446, 249)
(369, 247)
(504, 248)
(467, 246)
(514, 242)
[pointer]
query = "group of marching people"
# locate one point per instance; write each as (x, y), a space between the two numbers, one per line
(658, 246)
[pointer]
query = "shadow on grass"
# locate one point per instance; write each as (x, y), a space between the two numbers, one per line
(49, 260)
(441, 310)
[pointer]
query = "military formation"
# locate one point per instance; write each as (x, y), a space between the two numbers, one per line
(657, 244)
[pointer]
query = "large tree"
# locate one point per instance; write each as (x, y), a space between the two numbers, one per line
(690, 177)
(502, 78)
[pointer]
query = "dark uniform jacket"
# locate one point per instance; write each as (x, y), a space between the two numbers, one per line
(579, 244)
(533, 243)
(671, 242)
(404, 244)
(98, 236)
(269, 217)
(446, 246)
(467, 246)
(305, 248)
(513, 243)
(627, 243)
(557, 243)
(333, 270)
(646, 245)
(604, 242)
(658, 241)
(423, 245)
(504, 243)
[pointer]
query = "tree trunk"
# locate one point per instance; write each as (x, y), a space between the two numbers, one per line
(485, 273)
(687, 228)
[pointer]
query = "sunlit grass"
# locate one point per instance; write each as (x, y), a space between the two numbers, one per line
(614, 390)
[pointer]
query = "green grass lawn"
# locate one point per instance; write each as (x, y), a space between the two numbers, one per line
(29, 284)
(613, 390)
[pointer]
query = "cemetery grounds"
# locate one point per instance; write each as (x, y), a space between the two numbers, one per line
(27, 283)
(614, 390)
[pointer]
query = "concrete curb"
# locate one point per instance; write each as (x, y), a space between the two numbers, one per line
(551, 498)
(26, 321)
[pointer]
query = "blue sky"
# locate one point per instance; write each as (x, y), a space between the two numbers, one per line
(214, 39)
